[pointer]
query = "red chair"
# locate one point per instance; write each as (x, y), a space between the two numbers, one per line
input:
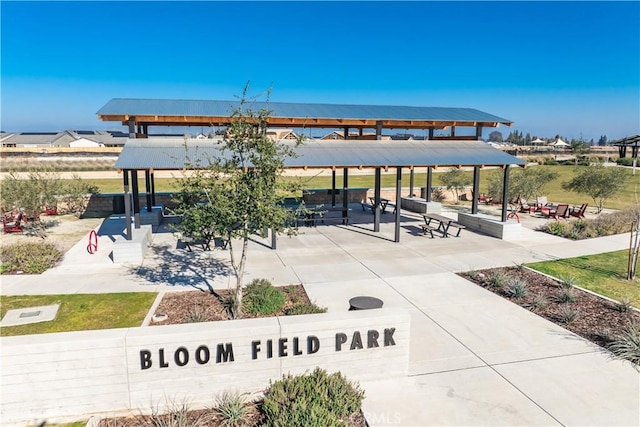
(562, 211)
(579, 213)
(12, 224)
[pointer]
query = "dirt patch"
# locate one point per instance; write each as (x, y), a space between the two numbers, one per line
(62, 230)
(201, 306)
(596, 319)
(207, 417)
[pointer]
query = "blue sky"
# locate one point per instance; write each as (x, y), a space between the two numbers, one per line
(569, 68)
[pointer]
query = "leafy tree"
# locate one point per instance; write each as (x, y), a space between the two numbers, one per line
(598, 182)
(579, 148)
(526, 183)
(74, 195)
(602, 141)
(456, 179)
(495, 136)
(31, 195)
(240, 189)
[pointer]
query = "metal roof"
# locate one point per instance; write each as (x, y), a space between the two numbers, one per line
(173, 111)
(172, 153)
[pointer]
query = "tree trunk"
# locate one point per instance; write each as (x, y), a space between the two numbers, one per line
(235, 311)
(634, 248)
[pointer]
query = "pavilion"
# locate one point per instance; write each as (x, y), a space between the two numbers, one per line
(632, 142)
(148, 154)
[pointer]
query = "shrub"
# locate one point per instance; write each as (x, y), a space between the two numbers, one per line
(627, 344)
(197, 314)
(75, 195)
(567, 295)
(539, 303)
(438, 194)
(177, 415)
(231, 410)
(517, 288)
(567, 282)
(497, 279)
(305, 308)
(29, 257)
(557, 228)
(261, 297)
(624, 305)
(625, 161)
(317, 399)
(568, 314)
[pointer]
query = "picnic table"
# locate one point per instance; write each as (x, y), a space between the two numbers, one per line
(383, 204)
(444, 223)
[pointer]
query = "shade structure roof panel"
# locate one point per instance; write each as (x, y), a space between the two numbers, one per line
(118, 108)
(178, 153)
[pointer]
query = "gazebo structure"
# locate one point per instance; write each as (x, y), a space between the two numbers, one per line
(148, 154)
(632, 142)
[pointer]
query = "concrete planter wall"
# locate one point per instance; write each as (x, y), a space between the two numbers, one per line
(69, 376)
(491, 226)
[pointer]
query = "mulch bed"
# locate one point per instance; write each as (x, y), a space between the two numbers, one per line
(598, 320)
(185, 307)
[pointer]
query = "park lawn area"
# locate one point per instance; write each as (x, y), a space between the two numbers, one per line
(109, 186)
(80, 312)
(554, 192)
(604, 274)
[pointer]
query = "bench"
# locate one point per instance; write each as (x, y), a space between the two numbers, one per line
(427, 229)
(457, 225)
(205, 241)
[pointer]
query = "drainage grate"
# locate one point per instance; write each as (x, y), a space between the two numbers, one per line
(30, 314)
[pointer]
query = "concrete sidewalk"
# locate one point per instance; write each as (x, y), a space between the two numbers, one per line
(476, 359)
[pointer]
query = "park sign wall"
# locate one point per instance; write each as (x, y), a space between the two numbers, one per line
(69, 376)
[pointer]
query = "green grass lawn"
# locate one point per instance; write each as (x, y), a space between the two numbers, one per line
(603, 273)
(81, 311)
(554, 192)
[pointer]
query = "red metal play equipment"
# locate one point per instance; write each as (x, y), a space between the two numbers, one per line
(92, 247)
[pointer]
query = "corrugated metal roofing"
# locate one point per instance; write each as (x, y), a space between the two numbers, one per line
(172, 153)
(174, 107)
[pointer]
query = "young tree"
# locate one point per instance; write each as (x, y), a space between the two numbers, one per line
(495, 136)
(240, 188)
(32, 194)
(579, 148)
(526, 183)
(456, 179)
(598, 182)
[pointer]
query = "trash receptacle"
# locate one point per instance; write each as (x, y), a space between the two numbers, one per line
(118, 204)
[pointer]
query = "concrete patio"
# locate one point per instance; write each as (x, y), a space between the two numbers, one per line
(476, 359)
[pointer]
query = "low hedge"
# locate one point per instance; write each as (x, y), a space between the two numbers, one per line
(317, 399)
(604, 225)
(29, 257)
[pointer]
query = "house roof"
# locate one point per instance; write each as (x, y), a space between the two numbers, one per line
(172, 112)
(48, 138)
(172, 154)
